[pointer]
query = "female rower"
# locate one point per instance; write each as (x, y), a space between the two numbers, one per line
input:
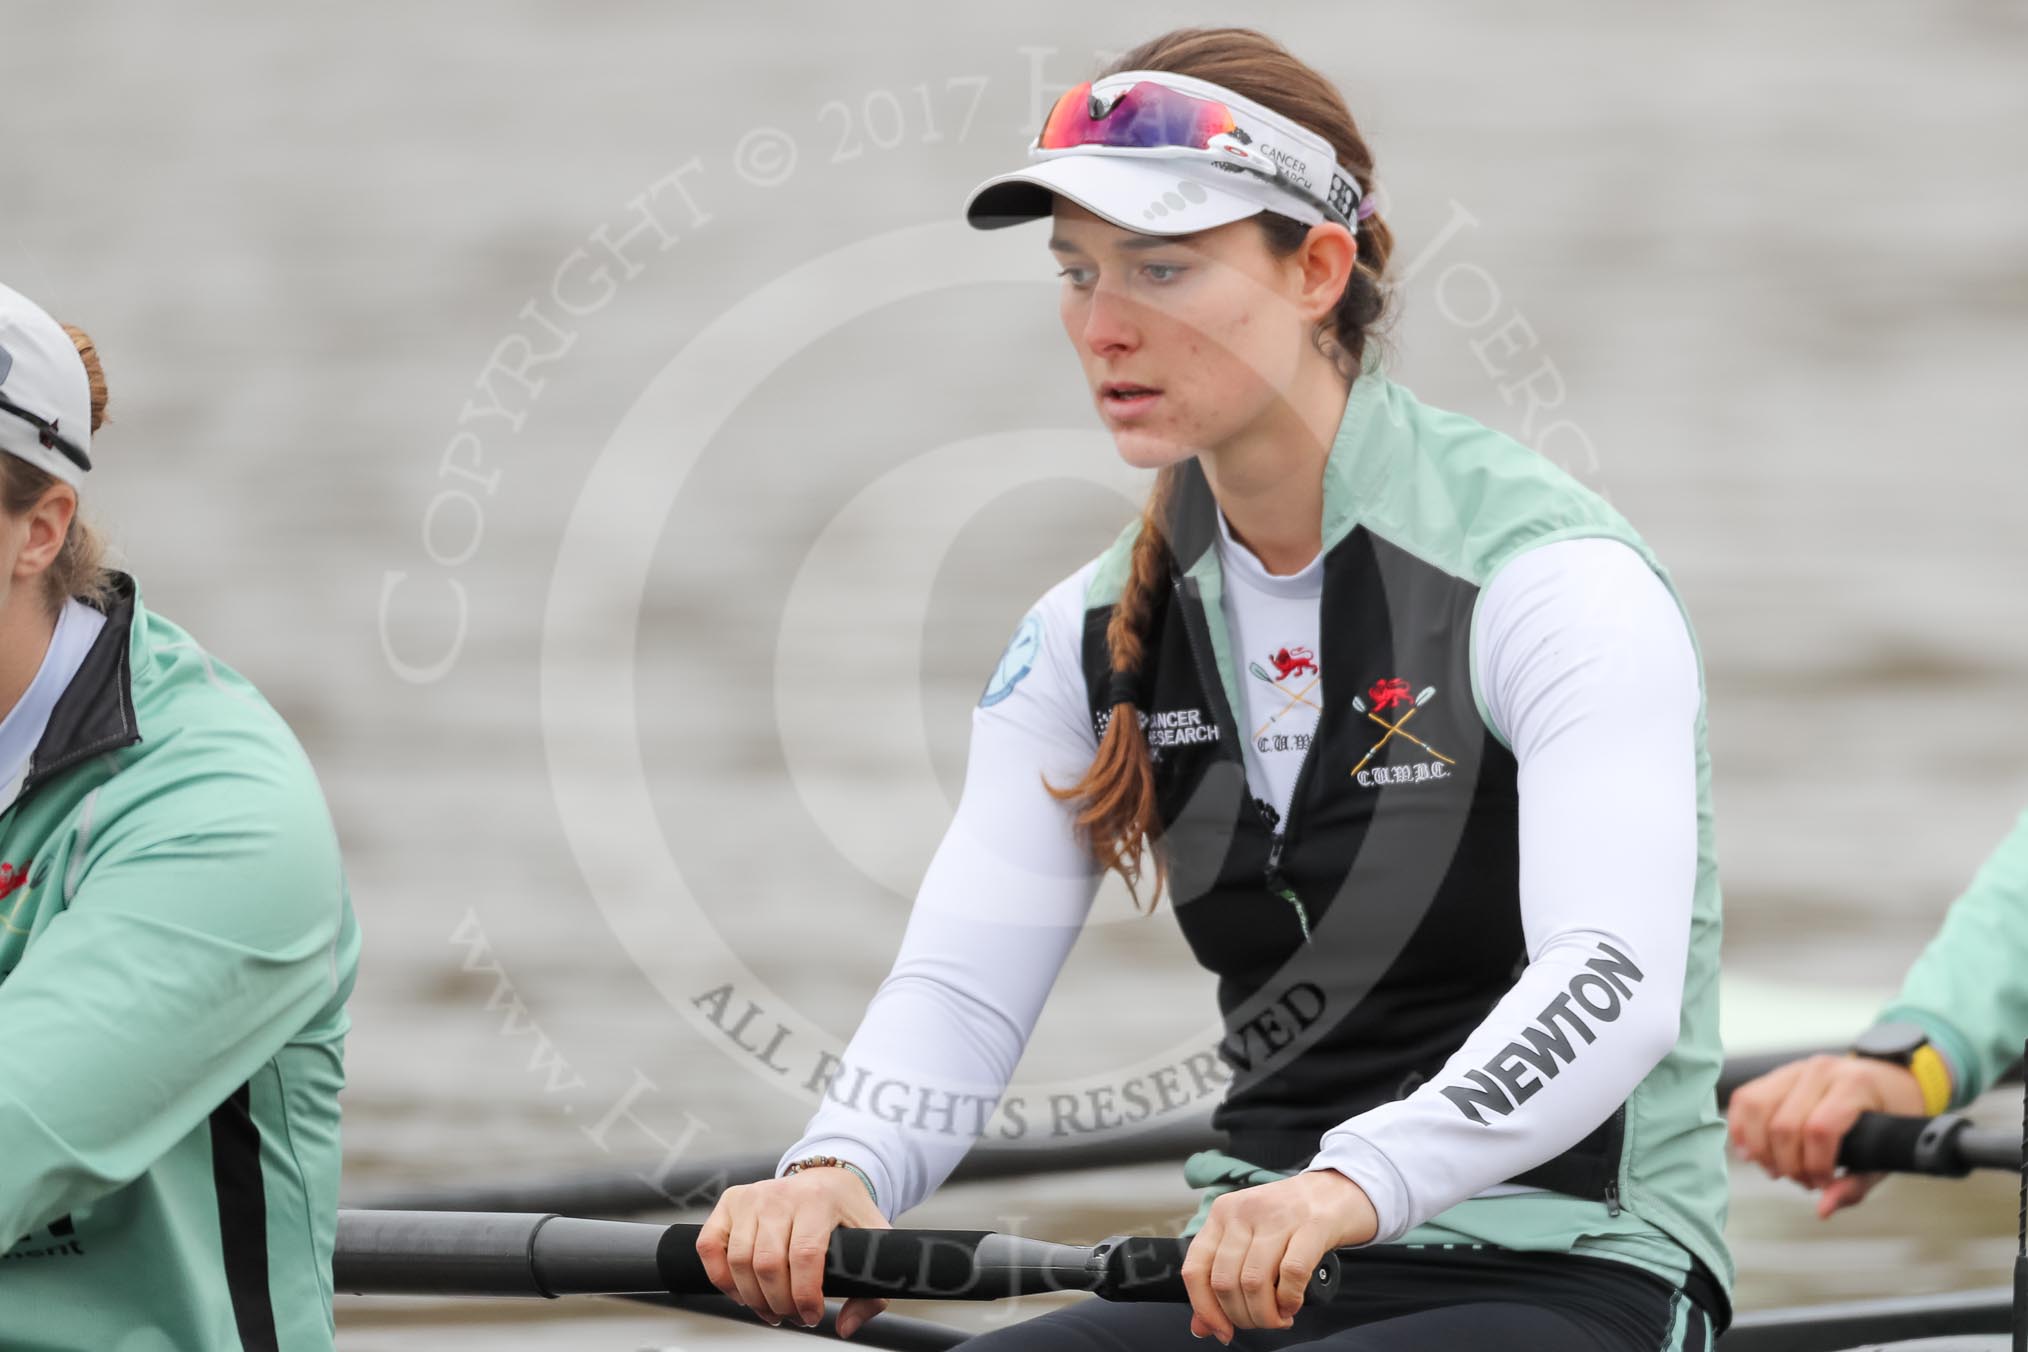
(178, 941)
(1413, 725)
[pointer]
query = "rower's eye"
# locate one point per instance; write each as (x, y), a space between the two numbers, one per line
(1159, 273)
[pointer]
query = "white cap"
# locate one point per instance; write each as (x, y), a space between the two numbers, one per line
(45, 393)
(1155, 194)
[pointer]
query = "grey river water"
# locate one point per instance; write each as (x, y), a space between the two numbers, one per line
(615, 705)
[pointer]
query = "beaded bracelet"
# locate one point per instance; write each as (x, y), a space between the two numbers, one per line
(832, 1161)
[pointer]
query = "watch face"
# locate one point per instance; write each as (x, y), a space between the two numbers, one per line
(1891, 1041)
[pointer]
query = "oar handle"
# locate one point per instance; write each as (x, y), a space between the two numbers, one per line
(450, 1253)
(912, 1264)
(980, 1265)
(1147, 1268)
(1948, 1146)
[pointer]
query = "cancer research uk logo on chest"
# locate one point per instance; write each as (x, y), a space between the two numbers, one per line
(1168, 727)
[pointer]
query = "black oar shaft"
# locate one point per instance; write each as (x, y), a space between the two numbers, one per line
(928, 1264)
(1145, 1268)
(1948, 1146)
(981, 1265)
(436, 1252)
(659, 1188)
(688, 1185)
(586, 1257)
(478, 1253)
(456, 1253)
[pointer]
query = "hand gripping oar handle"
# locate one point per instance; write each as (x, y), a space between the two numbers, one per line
(1948, 1146)
(980, 1265)
(477, 1253)
(931, 1264)
(1143, 1268)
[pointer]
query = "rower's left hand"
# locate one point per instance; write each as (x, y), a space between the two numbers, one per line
(1248, 1267)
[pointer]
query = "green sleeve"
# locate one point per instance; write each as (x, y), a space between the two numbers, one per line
(198, 939)
(1969, 989)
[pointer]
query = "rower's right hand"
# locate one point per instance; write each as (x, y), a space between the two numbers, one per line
(765, 1243)
(1791, 1120)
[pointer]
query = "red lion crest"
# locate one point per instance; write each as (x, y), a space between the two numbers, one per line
(1293, 662)
(1386, 694)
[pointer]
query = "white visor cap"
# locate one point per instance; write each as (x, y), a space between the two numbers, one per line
(1149, 196)
(1160, 194)
(45, 394)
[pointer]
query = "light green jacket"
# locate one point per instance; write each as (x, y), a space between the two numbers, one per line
(1969, 988)
(177, 951)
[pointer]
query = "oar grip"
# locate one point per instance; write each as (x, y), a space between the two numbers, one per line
(1145, 1268)
(915, 1264)
(1885, 1143)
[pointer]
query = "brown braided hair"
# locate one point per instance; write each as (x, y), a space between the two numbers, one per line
(1118, 814)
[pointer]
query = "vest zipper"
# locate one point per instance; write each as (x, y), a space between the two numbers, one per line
(1276, 883)
(1616, 1136)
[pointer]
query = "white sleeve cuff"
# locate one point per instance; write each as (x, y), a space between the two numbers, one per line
(1376, 1176)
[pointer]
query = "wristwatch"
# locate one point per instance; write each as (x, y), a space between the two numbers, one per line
(1907, 1045)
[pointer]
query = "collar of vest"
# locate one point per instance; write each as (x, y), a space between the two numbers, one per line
(1360, 463)
(95, 713)
(1372, 440)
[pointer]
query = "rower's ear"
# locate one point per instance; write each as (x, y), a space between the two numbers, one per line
(39, 527)
(1325, 264)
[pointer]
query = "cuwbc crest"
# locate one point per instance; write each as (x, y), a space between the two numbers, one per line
(1388, 693)
(1294, 661)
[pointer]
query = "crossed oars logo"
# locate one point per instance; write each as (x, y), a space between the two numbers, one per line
(1295, 697)
(1428, 693)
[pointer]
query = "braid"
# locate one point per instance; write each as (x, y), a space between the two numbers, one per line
(1119, 817)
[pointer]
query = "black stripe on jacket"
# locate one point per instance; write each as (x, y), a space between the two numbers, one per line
(243, 1219)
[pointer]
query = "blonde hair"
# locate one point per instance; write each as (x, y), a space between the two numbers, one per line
(79, 568)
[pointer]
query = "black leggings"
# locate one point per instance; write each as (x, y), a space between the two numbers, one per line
(1395, 1299)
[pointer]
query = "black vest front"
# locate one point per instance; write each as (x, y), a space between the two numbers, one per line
(1358, 943)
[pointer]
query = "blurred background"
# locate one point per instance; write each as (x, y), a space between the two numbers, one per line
(595, 431)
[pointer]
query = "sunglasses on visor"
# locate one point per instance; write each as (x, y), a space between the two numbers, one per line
(1155, 118)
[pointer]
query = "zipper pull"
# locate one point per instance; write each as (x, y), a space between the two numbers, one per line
(1302, 916)
(1279, 887)
(1612, 1197)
